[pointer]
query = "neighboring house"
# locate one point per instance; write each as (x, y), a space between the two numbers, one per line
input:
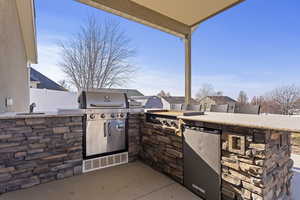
(148, 101)
(48, 95)
(297, 104)
(40, 81)
(174, 102)
(208, 101)
(17, 51)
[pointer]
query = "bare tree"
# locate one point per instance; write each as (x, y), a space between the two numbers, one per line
(285, 97)
(257, 100)
(242, 98)
(64, 84)
(219, 93)
(267, 104)
(207, 90)
(162, 93)
(98, 56)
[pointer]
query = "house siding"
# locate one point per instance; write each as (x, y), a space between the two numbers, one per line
(166, 105)
(206, 103)
(14, 73)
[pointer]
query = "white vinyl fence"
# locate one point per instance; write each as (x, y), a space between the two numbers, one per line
(51, 100)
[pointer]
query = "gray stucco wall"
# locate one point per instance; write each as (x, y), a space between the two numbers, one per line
(14, 76)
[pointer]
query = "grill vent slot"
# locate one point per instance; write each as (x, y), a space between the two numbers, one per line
(104, 162)
(88, 165)
(117, 159)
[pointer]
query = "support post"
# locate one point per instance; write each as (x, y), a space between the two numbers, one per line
(188, 69)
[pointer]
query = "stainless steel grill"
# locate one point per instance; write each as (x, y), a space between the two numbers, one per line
(105, 122)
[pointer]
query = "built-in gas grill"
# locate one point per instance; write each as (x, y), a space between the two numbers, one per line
(105, 123)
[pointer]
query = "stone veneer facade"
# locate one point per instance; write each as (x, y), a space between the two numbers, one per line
(39, 150)
(161, 148)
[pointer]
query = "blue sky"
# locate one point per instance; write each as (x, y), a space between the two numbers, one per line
(254, 47)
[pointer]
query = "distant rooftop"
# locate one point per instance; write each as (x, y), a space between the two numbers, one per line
(44, 82)
(222, 99)
(177, 100)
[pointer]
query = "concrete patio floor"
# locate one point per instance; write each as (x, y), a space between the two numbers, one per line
(133, 181)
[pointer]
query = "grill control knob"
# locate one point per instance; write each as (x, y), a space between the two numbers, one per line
(121, 115)
(92, 116)
(102, 116)
(112, 115)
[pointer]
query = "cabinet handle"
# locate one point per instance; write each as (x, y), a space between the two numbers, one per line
(104, 129)
(108, 129)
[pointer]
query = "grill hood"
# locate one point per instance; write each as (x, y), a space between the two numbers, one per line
(97, 99)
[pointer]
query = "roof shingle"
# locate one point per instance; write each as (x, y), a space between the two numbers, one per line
(222, 99)
(44, 82)
(178, 100)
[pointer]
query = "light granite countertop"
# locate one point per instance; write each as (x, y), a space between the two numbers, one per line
(59, 113)
(271, 122)
(13, 115)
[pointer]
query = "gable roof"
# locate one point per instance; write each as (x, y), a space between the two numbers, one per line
(222, 99)
(44, 82)
(178, 100)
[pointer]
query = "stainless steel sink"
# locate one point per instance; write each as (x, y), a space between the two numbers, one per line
(35, 113)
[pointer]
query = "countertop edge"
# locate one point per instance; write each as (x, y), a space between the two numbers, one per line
(237, 124)
(9, 117)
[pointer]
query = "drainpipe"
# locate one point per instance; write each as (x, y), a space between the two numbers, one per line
(188, 68)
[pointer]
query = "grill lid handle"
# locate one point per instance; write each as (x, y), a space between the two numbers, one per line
(106, 105)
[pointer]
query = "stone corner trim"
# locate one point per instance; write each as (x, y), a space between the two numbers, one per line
(256, 165)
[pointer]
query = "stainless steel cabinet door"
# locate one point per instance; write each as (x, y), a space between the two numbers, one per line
(96, 137)
(202, 163)
(116, 140)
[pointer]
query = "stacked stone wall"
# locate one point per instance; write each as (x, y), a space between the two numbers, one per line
(161, 148)
(39, 150)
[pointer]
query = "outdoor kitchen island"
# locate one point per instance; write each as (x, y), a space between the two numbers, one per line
(43, 147)
(254, 153)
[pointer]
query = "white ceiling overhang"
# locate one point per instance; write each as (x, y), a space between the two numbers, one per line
(177, 17)
(26, 15)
